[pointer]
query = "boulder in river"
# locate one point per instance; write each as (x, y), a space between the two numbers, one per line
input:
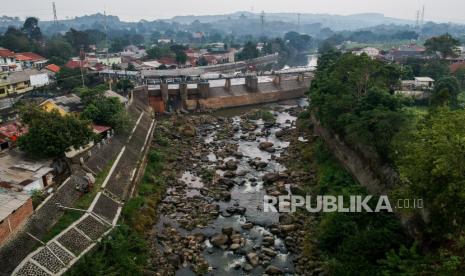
(253, 258)
(273, 270)
(231, 165)
(271, 177)
(219, 240)
(265, 145)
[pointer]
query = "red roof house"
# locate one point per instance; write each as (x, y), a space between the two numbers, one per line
(75, 64)
(454, 67)
(30, 56)
(52, 67)
(6, 53)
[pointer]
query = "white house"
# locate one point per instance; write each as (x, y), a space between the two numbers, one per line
(424, 82)
(8, 61)
(369, 51)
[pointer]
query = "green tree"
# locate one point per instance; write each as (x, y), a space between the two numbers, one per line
(249, 51)
(31, 28)
(433, 161)
(460, 75)
(58, 49)
(181, 58)
(351, 95)
(16, 41)
(68, 79)
(131, 67)
(445, 44)
(51, 134)
(103, 110)
(124, 85)
(445, 92)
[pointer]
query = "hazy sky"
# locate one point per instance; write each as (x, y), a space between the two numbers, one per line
(133, 10)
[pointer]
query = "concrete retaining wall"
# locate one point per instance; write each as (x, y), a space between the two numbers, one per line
(243, 100)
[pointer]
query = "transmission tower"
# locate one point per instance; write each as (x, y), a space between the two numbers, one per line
(262, 22)
(55, 18)
(423, 15)
(298, 22)
(417, 20)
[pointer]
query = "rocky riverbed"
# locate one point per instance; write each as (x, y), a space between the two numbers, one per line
(211, 220)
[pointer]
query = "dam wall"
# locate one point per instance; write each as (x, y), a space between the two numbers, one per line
(225, 93)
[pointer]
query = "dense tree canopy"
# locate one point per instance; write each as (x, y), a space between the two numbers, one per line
(433, 161)
(445, 44)
(351, 95)
(51, 134)
(103, 110)
(445, 92)
(249, 51)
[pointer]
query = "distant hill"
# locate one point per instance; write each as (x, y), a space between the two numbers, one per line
(335, 22)
(242, 23)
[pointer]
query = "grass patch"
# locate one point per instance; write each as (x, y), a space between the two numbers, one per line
(83, 202)
(265, 115)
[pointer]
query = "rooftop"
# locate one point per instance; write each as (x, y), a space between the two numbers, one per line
(52, 67)
(10, 201)
(423, 79)
(69, 102)
(17, 171)
(31, 56)
(113, 94)
(6, 53)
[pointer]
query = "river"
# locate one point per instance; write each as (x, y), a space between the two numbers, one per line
(218, 226)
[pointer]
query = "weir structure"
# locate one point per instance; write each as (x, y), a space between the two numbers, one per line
(190, 94)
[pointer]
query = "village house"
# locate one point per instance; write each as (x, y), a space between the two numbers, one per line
(65, 105)
(8, 61)
(19, 173)
(133, 52)
(406, 51)
(424, 82)
(20, 82)
(31, 60)
(15, 208)
(369, 51)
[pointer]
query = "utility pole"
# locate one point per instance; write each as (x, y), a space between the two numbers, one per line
(81, 58)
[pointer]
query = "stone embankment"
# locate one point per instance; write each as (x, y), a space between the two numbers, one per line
(62, 251)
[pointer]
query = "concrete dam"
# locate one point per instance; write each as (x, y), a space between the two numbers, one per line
(220, 93)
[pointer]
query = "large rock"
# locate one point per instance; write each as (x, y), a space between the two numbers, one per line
(273, 270)
(253, 258)
(268, 251)
(188, 130)
(265, 145)
(219, 240)
(231, 165)
(271, 177)
(227, 231)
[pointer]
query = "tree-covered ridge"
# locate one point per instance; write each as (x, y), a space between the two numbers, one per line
(353, 97)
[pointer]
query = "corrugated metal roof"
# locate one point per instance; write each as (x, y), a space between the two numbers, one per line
(11, 201)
